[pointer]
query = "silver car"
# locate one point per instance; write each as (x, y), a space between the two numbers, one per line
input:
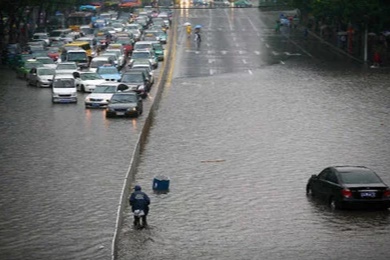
(41, 77)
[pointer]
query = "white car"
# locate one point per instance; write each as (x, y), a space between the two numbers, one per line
(41, 37)
(119, 55)
(86, 81)
(144, 54)
(40, 77)
(64, 89)
(47, 62)
(100, 61)
(101, 95)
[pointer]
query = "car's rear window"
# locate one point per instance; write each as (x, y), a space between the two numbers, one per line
(358, 176)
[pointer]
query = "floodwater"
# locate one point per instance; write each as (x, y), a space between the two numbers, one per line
(240, 142)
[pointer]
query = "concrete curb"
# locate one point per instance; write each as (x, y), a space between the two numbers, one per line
(143, 136)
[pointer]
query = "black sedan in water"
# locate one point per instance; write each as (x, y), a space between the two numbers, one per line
(349, 187)
(124, 104)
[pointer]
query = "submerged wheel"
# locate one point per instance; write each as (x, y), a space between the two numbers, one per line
(309, 191)
(334, 204)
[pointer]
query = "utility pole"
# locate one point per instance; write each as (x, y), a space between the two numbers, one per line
(365, 38)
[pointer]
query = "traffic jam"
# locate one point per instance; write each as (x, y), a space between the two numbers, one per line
(113, 58)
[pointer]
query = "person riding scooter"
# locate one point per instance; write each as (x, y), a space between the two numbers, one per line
(139, 203)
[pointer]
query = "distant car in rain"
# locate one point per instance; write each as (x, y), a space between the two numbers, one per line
(349, 187)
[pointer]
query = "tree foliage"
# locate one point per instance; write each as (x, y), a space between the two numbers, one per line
(373, 12)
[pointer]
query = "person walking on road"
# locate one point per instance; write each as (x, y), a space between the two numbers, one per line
(139, 202)
(189, 31)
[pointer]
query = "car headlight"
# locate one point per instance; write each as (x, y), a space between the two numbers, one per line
(132, 109)
(87, 99)
(109, 109)
(56, 94)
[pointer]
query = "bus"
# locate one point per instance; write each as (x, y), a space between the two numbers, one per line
(76, 19)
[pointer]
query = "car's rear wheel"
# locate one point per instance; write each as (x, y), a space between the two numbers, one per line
(309, 191)
(334, 204)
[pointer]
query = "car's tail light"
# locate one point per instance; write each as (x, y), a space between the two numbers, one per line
(386, 194)
(346, 193)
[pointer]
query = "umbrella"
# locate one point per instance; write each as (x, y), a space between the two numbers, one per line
(198, 26)
(187, 24)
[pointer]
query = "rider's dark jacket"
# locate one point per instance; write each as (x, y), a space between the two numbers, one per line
(139, 200)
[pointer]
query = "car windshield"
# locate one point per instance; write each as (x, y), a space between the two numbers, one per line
(53, 50)
(143, 46)
(124, 98)
(90, 76)
(117, 25)
(30, 65)
(55, 33)
(132, 78)
(157, 47)
(123, 40)
(63, 83)
(45, 60)
(37, 37)
(112, 52)
(140, 55)
(40, 53)
(45, 72)
(105, 89)
(66, 67)
(77, 56)
(360, 176)
(108, 70)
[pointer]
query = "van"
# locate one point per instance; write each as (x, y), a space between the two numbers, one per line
(64, 89)
(58, 35)
(83, 45)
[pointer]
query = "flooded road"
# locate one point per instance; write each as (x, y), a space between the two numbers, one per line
(239, 141)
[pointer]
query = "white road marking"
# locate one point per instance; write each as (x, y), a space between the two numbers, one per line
(237, 44)
(250, 72)
(308, 54)
(275, 53)
(244, 61)
(253, 26)
(241, 52)
(224, 52)
(282, 62)
(211, 72)
(266, 45)
(257, 52)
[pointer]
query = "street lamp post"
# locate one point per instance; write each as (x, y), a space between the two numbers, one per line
(365, 38)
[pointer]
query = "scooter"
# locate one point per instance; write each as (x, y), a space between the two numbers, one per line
(138, 215)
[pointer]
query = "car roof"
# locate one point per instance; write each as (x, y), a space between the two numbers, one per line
(67, 62)
(107, 66)
(348, 168)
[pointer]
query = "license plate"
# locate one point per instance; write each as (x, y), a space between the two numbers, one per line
(120, 113)
(95, 105)
(368, 194)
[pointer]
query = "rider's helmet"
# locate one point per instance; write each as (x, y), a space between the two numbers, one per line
(137, 188)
